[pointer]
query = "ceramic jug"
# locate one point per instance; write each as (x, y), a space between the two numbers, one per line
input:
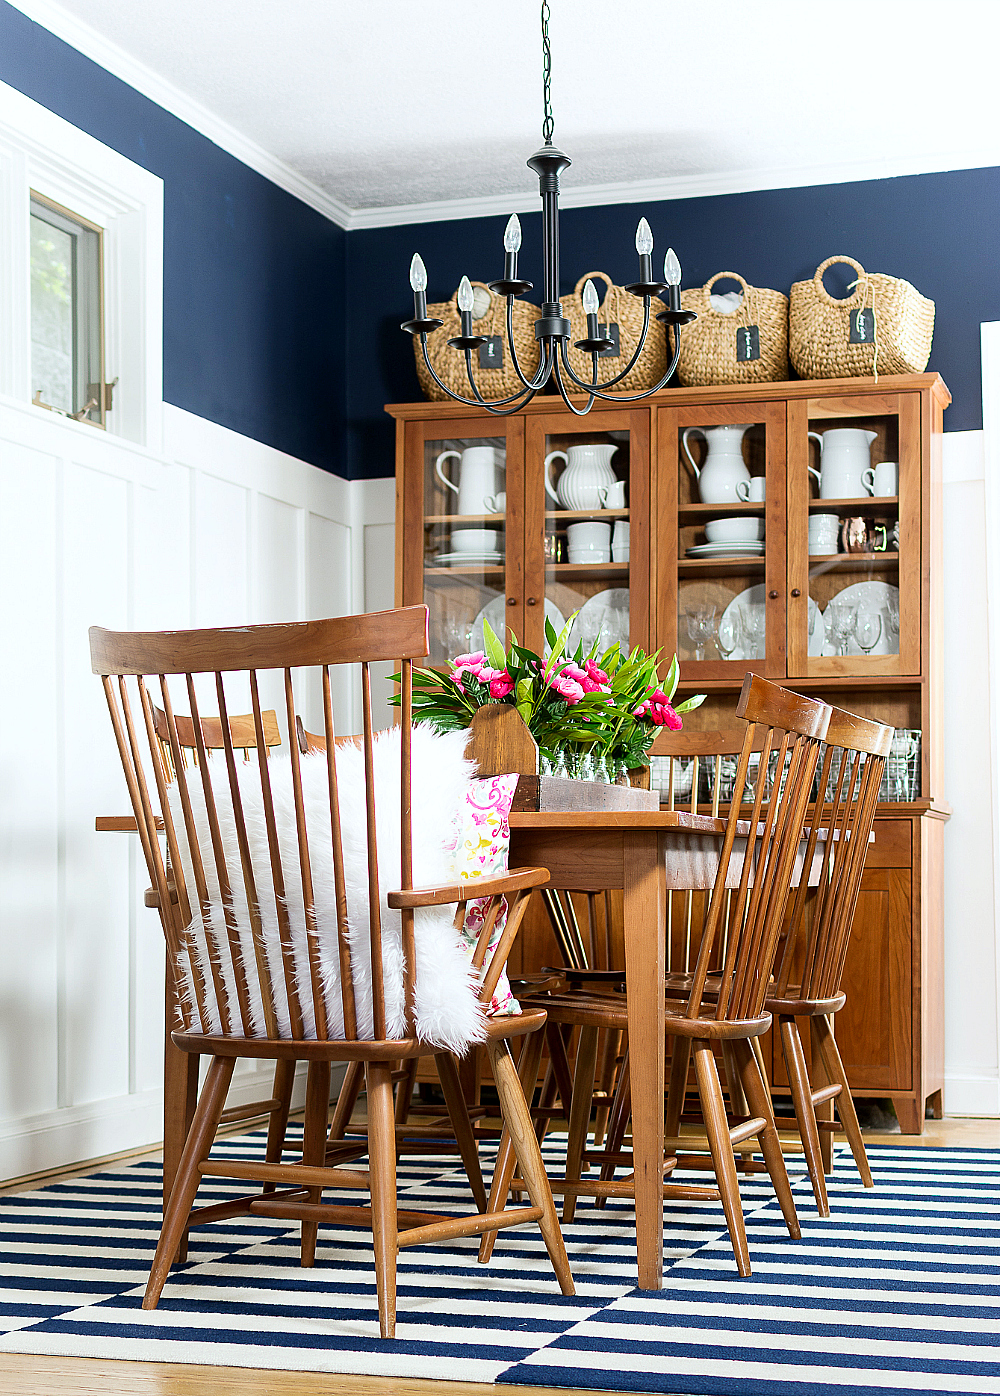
(844, 456)
(587, 475)
(724, 467)
(477, 476)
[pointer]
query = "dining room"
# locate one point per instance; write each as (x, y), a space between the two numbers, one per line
(501, 890)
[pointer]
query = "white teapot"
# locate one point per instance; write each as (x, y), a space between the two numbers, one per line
(587, 476)
(844, 456)
(724, 466)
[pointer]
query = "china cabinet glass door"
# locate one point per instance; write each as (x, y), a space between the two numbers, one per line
(461, 528)
(587, 528)
(720, 541)
(854, 535)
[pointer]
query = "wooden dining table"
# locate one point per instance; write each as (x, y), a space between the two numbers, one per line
(643, 853)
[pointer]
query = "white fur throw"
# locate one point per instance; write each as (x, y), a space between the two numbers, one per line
(448, 1014)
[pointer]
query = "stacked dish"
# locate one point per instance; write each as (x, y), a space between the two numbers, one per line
(736, 537)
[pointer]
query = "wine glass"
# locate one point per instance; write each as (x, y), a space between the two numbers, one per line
(841, 619)
(728, 632)
(700, 626)
(753, 622)
(892, 617)
(868, 630)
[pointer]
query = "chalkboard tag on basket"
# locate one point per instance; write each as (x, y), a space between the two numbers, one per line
(491, 353)
(747, 343)
(862, 326)
(613, 347)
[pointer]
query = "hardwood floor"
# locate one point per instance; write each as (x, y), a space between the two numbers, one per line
(77, 1376)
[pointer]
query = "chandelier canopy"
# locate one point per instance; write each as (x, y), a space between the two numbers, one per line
(552, 329)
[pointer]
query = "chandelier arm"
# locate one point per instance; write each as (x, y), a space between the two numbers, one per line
(616, 397)
(639, 348)
(522, 397)
(577, 411)
(545, 361)
(498, 407)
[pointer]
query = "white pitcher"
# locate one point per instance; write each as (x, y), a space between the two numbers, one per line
(844, 456)
(587, 475)
(477, 476)
(724, 466)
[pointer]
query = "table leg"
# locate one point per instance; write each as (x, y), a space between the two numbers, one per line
(645, 960)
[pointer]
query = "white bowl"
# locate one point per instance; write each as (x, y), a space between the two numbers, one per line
(589, 555)
(735, 530)
(474, 540)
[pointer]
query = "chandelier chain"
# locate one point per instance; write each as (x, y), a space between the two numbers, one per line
(548, 125)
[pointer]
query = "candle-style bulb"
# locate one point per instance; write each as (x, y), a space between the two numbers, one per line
(466, 299)
(418, 273)
(643, 238)
(512, 234)
(590, 301)
(671, 268)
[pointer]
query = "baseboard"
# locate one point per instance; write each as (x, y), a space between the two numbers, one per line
(972, 1095)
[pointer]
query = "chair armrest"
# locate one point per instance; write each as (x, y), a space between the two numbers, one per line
(470, 888)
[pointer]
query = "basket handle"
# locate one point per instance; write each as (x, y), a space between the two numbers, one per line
(706, 291)
(589, 276)
(859, 290)
(494, 301)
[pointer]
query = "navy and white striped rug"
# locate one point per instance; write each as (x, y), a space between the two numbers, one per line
(900, 1290)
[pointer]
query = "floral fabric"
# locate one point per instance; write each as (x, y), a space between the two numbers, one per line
(482, 843)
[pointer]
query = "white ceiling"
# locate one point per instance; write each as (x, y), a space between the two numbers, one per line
(382, 103)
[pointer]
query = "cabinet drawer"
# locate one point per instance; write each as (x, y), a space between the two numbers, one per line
(891, 848)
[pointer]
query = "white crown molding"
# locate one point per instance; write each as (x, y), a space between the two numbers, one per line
(96, 46)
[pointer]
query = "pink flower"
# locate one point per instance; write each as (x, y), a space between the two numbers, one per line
(566, 688)
(501, 684)
(474, 664)
(581, 676)
(597, 676)
(470, 661)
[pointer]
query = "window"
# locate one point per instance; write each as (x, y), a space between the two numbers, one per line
(67, 313)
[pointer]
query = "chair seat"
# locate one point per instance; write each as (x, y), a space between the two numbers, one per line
(342, 1050)
(792, 1006)
(603, 1011)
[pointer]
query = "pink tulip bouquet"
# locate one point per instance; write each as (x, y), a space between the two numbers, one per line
(601, 710)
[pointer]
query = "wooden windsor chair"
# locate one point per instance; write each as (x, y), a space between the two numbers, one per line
(247, 857)
(808, 977)
(792, 727)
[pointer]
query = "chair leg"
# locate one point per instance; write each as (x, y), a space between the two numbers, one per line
(458, 1112)
(314, 1146)
(680, 1060)
(199, 1141)
(826, 1044)
(621, 1113)
(404, 1090)
(737, 1100)
(713, 1109)
(606, 1079)
(354, 1078)
(805, 1113)
(759, 1101)
(579, 1115)
(382, 1177)
(517, 1118)
(503, 1169)
(284, 1080)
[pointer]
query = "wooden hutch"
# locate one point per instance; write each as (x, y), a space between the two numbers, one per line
(891, 1033)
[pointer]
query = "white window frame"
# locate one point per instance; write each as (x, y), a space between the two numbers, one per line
(41, 152)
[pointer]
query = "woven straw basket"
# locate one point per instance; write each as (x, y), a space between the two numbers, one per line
(449, 364)
(819, 326)
(708, 346)
(626, 310)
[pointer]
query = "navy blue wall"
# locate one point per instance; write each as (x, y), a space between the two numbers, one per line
(253, 315)
(939, 231)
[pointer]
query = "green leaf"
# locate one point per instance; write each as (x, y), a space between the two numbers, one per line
(550, 632)
(495, 652)
(559, 645)
(673, 676)
(689, 704)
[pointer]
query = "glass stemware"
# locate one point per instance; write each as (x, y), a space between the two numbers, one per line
(753, 622)
(892, 617)
(841, 619)
(868, 630)
(700, 626)
(728, 632)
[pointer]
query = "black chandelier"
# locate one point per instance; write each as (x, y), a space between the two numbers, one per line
(552, 329)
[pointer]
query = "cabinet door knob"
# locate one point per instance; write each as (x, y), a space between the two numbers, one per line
(532, 601)
(796, 591)
(511, 600)
(773, 595)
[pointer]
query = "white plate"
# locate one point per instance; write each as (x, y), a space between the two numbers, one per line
(745, 548)
(754, 596)
(603, 617)
(495, 612)
(473, 559)
(874, 595)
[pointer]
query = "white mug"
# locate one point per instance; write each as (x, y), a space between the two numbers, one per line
(583, 536)
(754, 489)
(496, 503)
(882, 480)
(612, 496)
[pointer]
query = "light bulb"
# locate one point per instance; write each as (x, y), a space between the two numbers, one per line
(590, 302)
(671, 268)
(418, 273)
(512, 234)
(643, 239)
(466, 299)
